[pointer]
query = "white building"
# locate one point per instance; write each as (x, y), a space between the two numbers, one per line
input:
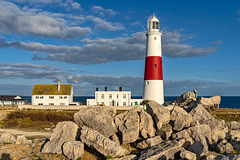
(113, 98)
(53, 94)
(12, 100)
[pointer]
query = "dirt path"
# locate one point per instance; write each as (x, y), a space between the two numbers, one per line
(26, 133)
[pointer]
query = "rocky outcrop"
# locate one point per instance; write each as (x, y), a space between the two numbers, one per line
(210, 104)
(149, 142)
(233, 125)
(187, 155)
(160, 114)
(73, 149)
(102, 144)
(186, 98)
(218, 128)
(201, 115)
(128, 125)
(199, 147)
(164, 150)
(128, 157)
(180, 118)
(22, 140)
(7, 138)
(111, 112)
(95, 120)
(223, 147)
(165, 132)
(146, 125)
(64, 132)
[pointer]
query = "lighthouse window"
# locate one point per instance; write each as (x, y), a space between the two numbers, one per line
(155, 38)
(147, 82)
(155, 25)
(155, 65)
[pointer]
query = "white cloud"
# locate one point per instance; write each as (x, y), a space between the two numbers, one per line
(13, 20)
(218, 42)
(100, 11)
(102, 24)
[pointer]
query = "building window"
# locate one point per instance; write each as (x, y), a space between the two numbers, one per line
(62, 104)
(61, 97)
(110, 103)
(65, 97)
(98, 103)
(110, 96)
(51, 104)
(124, 96)
(40, 104)
(37, 97)
(155, 65)
(41, 97)
(124, 103)
(102, 96)
(117, 96)
(51, 97)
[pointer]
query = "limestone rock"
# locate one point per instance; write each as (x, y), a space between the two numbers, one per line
(159, 114)
(146, 125)
(164, 150)
(236, 145)
(210, 104)
(186, 98)
(101, 143)
(235, 134)
(199, 147)
(128, 125)
(64, 132)
(218, 128)
(195, 133)
(111, 112)
(223, 147)
(187, 155)
(7, 138)
(128, 157)
(180, 118)
(23, 140)
(149, 142)
(73, 149)
(201, 115)
(165, 132)
(233, 125)
(95, 120)
(115, 138)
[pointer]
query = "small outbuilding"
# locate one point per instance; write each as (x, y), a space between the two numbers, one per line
(12, 100)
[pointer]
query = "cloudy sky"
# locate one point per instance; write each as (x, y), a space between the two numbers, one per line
(102, 43)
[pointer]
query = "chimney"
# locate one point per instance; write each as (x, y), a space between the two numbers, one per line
(96, 88)
(59, 86)
(105, 88)
(120, 88)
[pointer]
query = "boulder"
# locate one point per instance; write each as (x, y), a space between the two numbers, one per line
(223, 147)
(201, 115)
(187, 155)
(199, 147)
(218, 128)
(196, 133)
(165, 132)
(149, 142)
(128, 125)
(64, 132)
(111, 112)
(235, 134)
(186, 98)
(146, 125)
(164, 150)
(102, 144)
(7, 138)
(233, 125)
(22, 140)
(73, 149)
(236, 145)
(160, 114)
(210, 104)
(180, 118)
(128, 157)
(95, 120)
(115, 138)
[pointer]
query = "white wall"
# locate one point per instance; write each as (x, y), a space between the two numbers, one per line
(57, 100)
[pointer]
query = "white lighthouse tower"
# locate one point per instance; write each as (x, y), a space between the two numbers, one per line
(153, 77)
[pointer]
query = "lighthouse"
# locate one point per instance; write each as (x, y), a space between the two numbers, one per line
(153, 77)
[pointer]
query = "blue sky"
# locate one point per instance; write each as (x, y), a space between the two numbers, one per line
(102, 43)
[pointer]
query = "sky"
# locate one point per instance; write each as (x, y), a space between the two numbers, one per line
(98, 43)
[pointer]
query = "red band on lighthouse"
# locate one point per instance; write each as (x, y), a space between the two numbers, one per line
(153, 68)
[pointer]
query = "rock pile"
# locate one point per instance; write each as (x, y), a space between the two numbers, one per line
(188, 131)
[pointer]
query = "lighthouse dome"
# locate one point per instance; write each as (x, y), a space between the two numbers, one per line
(154, 19)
